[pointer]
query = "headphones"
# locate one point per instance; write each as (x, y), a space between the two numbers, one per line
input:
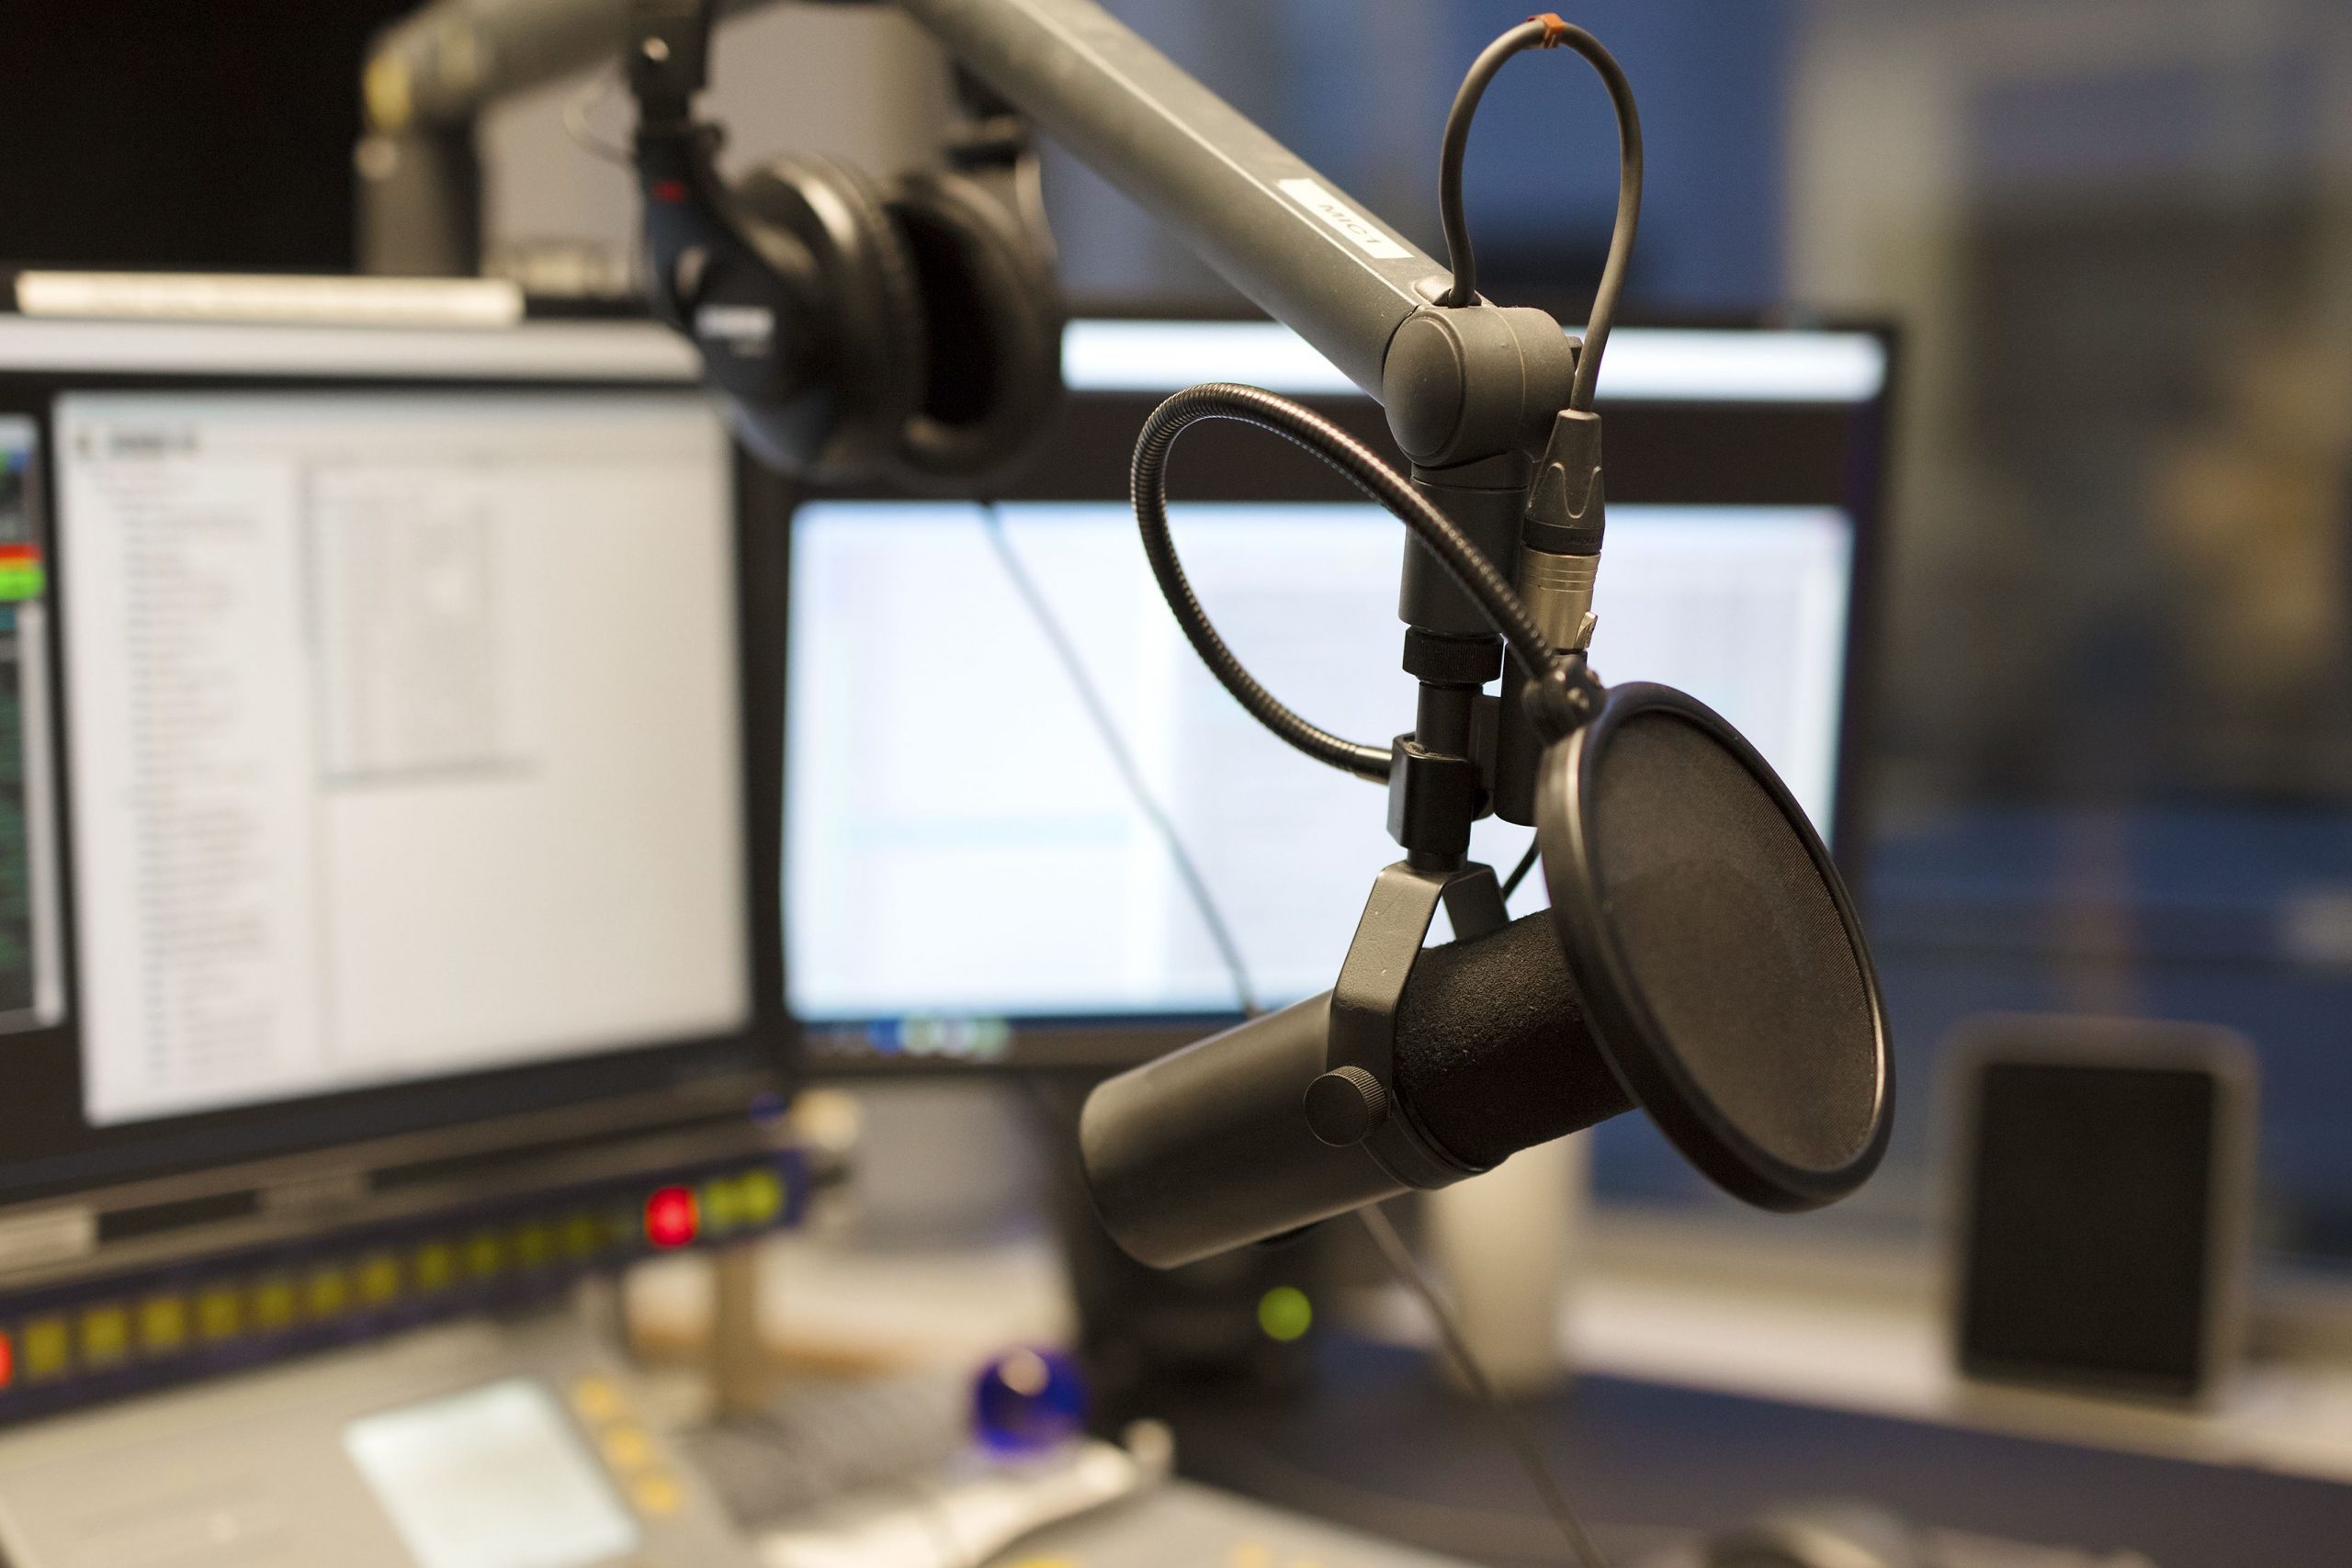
(908, 330)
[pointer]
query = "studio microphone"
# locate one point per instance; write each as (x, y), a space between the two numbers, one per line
(1701, 959)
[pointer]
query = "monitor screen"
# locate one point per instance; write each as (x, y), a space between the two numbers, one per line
(979, 814)
(32, 985)
(392, 753)
(387, 693)
(966, 843)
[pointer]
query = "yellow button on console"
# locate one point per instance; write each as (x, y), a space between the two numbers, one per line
(582, 1236)
(327, 1293)
(627, 1447)
(379, 1278)
(106, 1335)
(596, 1399)
(763, 1192)
(48, 1347)
(485, 1254)
(435, 1264)
(274, 1305)
(657, 1495)
(218, 1313)
(162, 1325)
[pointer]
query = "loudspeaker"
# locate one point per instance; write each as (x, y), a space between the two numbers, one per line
(2103, 1184)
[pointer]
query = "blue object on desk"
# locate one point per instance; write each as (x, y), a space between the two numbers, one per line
(1028, 1402)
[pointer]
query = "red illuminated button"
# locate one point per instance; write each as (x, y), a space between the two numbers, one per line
(669, 1217)
(7, 1359)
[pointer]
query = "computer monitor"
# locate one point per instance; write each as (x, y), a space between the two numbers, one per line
(994, 726)
(385, 714)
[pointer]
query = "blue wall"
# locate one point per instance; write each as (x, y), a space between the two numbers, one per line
(1360, 89)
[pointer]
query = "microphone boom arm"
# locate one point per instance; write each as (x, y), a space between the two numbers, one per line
(1262, 216)
(1478, 399)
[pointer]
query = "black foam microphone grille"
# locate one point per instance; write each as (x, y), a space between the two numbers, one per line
(1492, 1051)
(1735, 942)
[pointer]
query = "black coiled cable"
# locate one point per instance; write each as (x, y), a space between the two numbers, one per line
(1362, 468)
(1547, 31)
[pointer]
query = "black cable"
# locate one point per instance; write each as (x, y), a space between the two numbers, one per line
(1519, 872)
(1402, 1263)
(1098, 712)
(1464, 561)
(1546, 31)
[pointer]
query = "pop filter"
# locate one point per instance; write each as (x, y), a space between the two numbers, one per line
(1721, 967)
(1701, 959)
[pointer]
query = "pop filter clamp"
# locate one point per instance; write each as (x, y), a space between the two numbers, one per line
(1353, 1100)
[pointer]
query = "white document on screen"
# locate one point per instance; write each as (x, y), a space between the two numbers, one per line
(404, 736)
(960, 839)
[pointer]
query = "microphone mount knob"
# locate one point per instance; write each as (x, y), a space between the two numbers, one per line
(1344, 1105)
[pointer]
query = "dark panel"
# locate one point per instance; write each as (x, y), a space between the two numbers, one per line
(1751, 453)
(1383, 1443)
(2089, 1225)
(157, 133)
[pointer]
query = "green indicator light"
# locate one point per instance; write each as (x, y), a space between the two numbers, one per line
(1284, 1312)
(327, 1293)
(106, 1335)
(162, 1325)
(485, 1255)
(436, 1265)
(582, 1236)
(48, 1347)
(722, 1209)
(22, 582)
(275, 1304)
(379, 1278)
(763, 1193)
(220, 1314)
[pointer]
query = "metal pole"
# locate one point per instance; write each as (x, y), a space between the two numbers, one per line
(1282, 233)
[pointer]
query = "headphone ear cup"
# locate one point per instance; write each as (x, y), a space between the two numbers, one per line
(868, 315)
(992, 319)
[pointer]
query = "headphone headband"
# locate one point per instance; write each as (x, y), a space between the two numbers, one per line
(669, 55)
(909, 327)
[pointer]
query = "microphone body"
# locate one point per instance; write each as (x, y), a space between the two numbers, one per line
(1209, 1148)
(1206, 1148)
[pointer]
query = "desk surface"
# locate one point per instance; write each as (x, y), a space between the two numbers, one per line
(1380, 1443)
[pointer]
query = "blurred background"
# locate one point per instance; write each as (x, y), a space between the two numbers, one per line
(2111, 738)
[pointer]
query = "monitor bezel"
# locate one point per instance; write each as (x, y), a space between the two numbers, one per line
(1091, 1043)
(651, 1084)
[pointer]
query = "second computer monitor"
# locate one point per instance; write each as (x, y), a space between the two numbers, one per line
(995, 728)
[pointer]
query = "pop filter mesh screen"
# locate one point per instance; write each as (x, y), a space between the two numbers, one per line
(1734, 942)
